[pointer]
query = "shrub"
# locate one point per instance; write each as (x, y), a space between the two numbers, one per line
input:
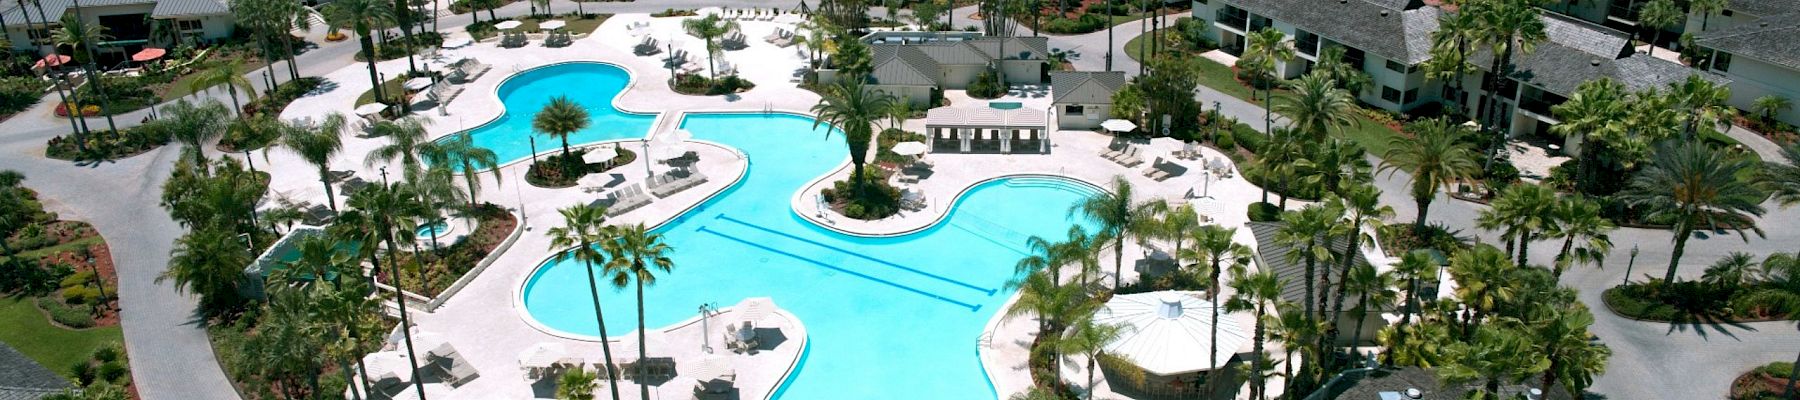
(878, 199)
(1248, 137)
(20, 276)
(1625, 301)
(108, 352)
(66, 315)
(1225, 141)
(670, 12)
(18, 93)
(112, 371)
(1264, 212)
(1402, 238)
(79, 278)
(84, 372)
(1082, 24)
(80, 295)
(984, 86)
(1500, 175)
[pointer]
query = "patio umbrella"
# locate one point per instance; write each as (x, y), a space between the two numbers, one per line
(909, 148)
(668, 151)
(419, 83)
(508, 25)
(52, 60)
(370, 109)
(148, 53)
(542, 355)
(754, 309)
(1167, 333)
(552, 25)
(678, 135)
(599, 154)
(457, 43)
(706, 369)
(1118, 125)
(386, 365)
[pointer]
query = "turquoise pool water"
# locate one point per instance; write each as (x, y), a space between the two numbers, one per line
(593, 85)
(432, 229)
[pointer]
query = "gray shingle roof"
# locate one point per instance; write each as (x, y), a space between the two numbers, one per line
(1379, 27)
(15, 14)
(1584, 36)
(901, 65)
(1774, 39)
(22, 378)
(1765, 7)
(1578, 52)
(1031, 48)
(179, 8)
(1085, 87)
(957, 53)
(1274, 257)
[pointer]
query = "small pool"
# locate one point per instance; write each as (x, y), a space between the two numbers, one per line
(1005, 105)
(591, 84)
(432, 229)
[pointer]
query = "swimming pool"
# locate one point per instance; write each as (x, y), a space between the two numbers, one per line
(888, 318)
(590, 84)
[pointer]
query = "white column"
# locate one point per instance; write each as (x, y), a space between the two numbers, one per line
(1006, 141)
(963, 134)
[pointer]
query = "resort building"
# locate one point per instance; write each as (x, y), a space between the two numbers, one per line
(986, 130)
(132, 24)
(24, 379)
(1081, 100)
(1757, 45)
(1389, 39)
(1279, 257)
(919, 66)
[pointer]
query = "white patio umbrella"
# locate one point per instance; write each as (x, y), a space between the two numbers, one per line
(1168, 333)
(542, 355)
(753, 309)
(670, 145)
(552, 24)
(910, 148)
(1118, 125)
(706, 369)
(386, 365)
(370, 109)
(507, 25)
(419, 83)
(599, 154)
(678, 135)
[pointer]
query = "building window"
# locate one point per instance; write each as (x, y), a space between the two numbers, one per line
(1410, 96)
(1390, 94)
(1396, 67)
(1721, 61)
(1073, 109)
(1724, 13)
(1306, 42)
(190, 25)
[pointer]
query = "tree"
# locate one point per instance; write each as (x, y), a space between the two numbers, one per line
(1437, 157)
(1267, 48)
(1768, 106)
(195, 126)
(1280, 157)
(1482, 275)
(1214, 247)
(461, 151)
(1318, 107)
(1706, 8)
(1374, 291)
(854, 110)
(1088, 338)
(406, 137)
(709, 29)
(1506, 27)
(637, 257)
(583, 226)
(1363, 205)
(1350, 78)
(1702, 103)
(1168, 90)
(81, 37)
(1297, 332)
(576, 384)
(1574, 359)
(391, 210)
(1119, 216)
(1054, 304)
(1576, 220)
(1659, 15)
(1498, 353)
(1596, 114)
(318, 143)
(1304, 233)
(1413, 267)
(560, 119)
(1782, 180)
(1332, 163)
(1698, 188)
(208, 262)
(364, 16)
(1259, 293)
(1519, 212)
(1052, 256)
(1450, 45)
(224, 74)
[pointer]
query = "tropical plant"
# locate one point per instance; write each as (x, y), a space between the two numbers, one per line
(576, 384)
(1702, 103)
(1574, 357)
(1259, 293)
(1052, 256)
(1659, 15)
(1482, 274)
(1520, 212)
(1768, 106)
(1054, 304)
(1436, 157)
(638, 255)
(1449, 62)
(1596, 114)
(1332, 164)
(1118, 216)
(364, 17)
(318, 143)
(1576, 220)
(1362, 203)
(1507, 28)
(560, 119)
(1214, 248)
(1498, 353)
(1089, 338)
(1350, 78)
(81, 37)
(583, 226)
(406, 137)
(1266, 49)
(461, 151)
(1698, 188)
(709, 29)
(1413, 267)
(208, 262)
(224, 74)
(392, 211)
(1297, 333)
(854, 110)
(1374, 291)
(1306, 233)
(1706, 8)
(1318, 107)
(1782, 180)
(196, 126)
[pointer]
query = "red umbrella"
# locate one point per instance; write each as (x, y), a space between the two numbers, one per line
(147, 54)
(52, 61)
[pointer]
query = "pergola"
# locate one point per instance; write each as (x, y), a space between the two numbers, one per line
(969, 130)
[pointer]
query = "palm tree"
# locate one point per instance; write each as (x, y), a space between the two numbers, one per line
(354, 315)
(1266, 49)
(196, 126)
(637, 257)
(1498, 353)
(1213, 248)
(406, 136)
(1119, 216)
(583, 226)
(577, 384)
(1054, 304)
(1350, 78)
(1052, 256)
(1436, 158)
(1782, 180)
(1482, 274)
(1506, 27)
(79, 36)
(1519, 211)
(224, 74)
(461, 151)
(1332, 163)
(1362, 203)
(1088, 338)
(1297, 333)
(1450, 45)
(317, 143)
(1596, 113)
(1374, 291)
(1304, 231)
(1577, 221)
(208, 262)
(1706, 8)
(1699, 189)
(709, 29)
(851, 108)
(1574, 358)
(1702, 103)
(1318, 106)
(560, 119)
(1413, 267)
(1658, 15)
(1279, 160)
(1259, 293)
(391, 210)
(1767, 107)
(364, 16)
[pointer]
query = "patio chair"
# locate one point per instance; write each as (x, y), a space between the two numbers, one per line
(1155, 172)
(648, 47)
(1114, 150)
(1130, 159)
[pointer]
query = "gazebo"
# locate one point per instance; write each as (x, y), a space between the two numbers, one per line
(986, 130)
(1168, 336)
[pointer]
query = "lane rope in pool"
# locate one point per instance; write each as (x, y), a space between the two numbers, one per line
(987, 291)
(971, 307)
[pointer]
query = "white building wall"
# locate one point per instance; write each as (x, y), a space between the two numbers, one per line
(919, 97)
(957, 77)
(1090, 117)
(1752, 79)
(1718, 21)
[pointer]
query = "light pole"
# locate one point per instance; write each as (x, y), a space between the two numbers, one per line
(646, 157)
(1206, 183)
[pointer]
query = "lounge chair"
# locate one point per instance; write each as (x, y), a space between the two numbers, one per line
(648, 47)
(912, 200)
(1155, 171)
(626, 199)
(457, 371)
(1114, 150)
(666, 184)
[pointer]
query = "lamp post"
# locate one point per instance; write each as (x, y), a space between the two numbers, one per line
(646, 158)
(1206, 183)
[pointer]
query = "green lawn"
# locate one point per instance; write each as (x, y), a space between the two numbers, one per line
(24, 327)
(388, 88)
(1371, 135)
(179, 88)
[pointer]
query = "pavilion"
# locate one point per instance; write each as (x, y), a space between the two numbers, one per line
(987, 130)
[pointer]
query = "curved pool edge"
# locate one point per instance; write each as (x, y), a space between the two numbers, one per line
(631, 80)
(795, 202)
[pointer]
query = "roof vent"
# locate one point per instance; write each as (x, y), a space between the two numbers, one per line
(1343, 1)
(1594, 62)
(1384, 13)
(1414, 393)
(1170, 308)
(1763, 24)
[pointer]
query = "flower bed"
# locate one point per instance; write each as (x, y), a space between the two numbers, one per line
(442, 267)
(1767, 382)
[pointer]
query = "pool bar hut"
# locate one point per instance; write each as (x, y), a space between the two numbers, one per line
(987, 130)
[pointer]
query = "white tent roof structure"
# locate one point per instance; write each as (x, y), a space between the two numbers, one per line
(1169, 333)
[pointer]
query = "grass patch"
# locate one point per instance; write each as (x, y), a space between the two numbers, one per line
(179, 88)
(24, 327)
(75, 245)
(395, 85)
(1372, 135)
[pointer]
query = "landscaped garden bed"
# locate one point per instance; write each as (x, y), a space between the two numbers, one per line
(698, 85)
(563, 170)
(58, 289)
(1735, 288)
(443, 266)
(1767, 382)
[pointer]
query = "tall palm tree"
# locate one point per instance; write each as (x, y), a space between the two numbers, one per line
(1297, 333)
(1450, 45)
(196, 126)
(392, 210)
(1573, 355)
(1362, 205)
(461, 151)
(1482, 274)
(1699, 189)
(1706, 8)
(317, 143)
(1054, 304)
(1576, 220)
(1305, 232)
(1089, 338)
(363, 17)
(1259, 293)
(709, 29)
(1436, 158)
(406, 137)
(1279, 160)
(208, 262)
(81, 37)
(583, 226)
(1374, 291)
(1659, 15)
(638, 255)
(1213, 248)
(1498, 353)
(1507, 28)
(1333, 163)
(1519, 211)
(1782, 180)
(854, 110)
(1267, 49)
(1350, 78)
(1046, 255)
(560, 119)
(1768, 106)
(1318, 107)
(224, 74)
(1702, 103)
(1413, 267)
(1119, 216)
(1596, 113)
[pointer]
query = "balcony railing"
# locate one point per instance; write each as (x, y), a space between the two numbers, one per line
(1230, 19)
(1537, 106)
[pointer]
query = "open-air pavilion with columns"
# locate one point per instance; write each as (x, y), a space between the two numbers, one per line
(987, 130)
